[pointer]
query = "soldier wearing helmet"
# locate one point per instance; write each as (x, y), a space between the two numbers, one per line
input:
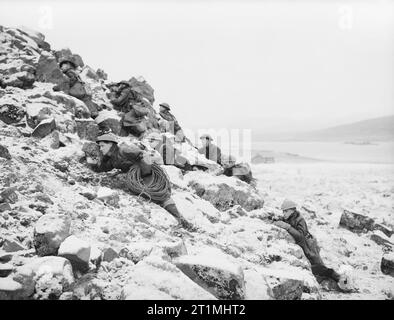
(123, 156)
(211, 151)
(296, 226)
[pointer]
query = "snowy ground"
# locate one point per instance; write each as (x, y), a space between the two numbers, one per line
(327, 188)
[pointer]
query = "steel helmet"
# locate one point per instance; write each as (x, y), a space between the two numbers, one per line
(165, 105)
(288, 204)
(206, 136)
(68, 60)
(107, 137)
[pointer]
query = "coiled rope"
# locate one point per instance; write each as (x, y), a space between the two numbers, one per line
(158, 190)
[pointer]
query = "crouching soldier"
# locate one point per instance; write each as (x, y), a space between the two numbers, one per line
(123, 157)
(296, 226)
(76, 87)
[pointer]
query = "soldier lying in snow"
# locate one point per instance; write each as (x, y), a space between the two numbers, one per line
(296, 226)
(125, 156)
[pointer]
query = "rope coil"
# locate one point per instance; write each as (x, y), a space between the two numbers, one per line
(158, 190)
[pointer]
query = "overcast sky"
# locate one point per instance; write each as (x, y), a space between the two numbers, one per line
(269, 66)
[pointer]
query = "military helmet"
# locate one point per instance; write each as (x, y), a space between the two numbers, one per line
(68, 60)
(206, 136)
(165, 105)
(107, 137)
(288, 204)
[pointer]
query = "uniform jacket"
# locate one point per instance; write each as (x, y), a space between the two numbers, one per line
(299, 231)
(212, 152)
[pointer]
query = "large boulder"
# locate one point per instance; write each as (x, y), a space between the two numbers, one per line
(52, 276)
(109, 120)
(87, 129)
(48, 71)
(219, 276)
(154, 278)
(356, 222)
(387, 264)
(224, 192)
(77, 251)
(49, 232)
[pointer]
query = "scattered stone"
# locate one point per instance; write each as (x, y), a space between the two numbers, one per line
(380, 238)
(49, 232)
(387, 264)
(108, 196)
(9, 289)
(136, 251)
(381, 227)
(5, 256)
(356, 222)
(48, 70)
(9, 195)
(66, 296)
(287, 289)
(95, 256)
(53, 276)
(25, 276)
(224, 192)
(109, 255)
(222, 278)
(4, 153)
(4, 207)
(108, 120)
(77, 251)
(174, 249)
(43, 198)
(5, 269)
(11, 245)
(87, 129)
(154, 278)
(44, 128)
(11, 114)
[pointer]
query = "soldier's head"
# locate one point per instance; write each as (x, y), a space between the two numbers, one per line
(66, 65)
(288, 207)
(164, 107)
(205, 139)
(106, 142)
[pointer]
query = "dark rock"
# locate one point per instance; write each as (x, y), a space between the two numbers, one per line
(381, 227)
(77, 251)
(6, 269)
(44, 128)
(356, 222)
(11, 114)
(387, 264)
(216, 277)
(110, 254)
(49, 232)
(4, 207)
(381, 239)
(87, 129)
(48, 71)
(9, 195)
(4, 153)
(11, 245)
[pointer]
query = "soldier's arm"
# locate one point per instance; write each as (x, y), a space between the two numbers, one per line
(300, 232)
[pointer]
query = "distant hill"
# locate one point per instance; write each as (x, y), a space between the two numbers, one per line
(377, 129)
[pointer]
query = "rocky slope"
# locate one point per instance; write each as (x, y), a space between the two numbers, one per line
(67, 232)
